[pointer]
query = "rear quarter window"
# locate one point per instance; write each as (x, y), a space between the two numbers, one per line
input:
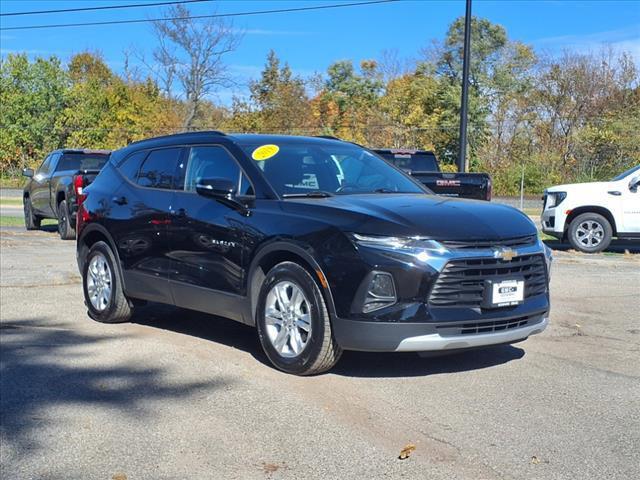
(130, 166)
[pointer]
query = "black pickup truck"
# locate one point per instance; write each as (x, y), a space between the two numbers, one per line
(55, 188)
(423, 165)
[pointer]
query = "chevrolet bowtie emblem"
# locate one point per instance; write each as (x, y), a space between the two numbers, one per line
(505, 254)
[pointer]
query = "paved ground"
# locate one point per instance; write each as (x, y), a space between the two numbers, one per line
(180, 395)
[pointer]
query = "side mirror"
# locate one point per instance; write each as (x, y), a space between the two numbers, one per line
(220, 188)
(27, 172)
(634, 184)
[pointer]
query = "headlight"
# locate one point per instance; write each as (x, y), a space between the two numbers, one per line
(419, 247)
(548, 256)
(555, 198)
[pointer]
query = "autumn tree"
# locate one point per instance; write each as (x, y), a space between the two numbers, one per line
(348, 104)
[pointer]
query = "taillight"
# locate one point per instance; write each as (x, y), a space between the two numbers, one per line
(78, 184)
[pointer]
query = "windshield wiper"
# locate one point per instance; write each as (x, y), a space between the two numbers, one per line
(312, 194)
(385, 190)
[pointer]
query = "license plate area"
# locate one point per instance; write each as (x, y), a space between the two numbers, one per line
(503, 293)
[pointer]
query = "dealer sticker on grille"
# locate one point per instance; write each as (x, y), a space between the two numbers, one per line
(507, 292)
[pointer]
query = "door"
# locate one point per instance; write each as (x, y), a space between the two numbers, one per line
(139, 218)
(630, 200)
(205, 235)
(40, 186)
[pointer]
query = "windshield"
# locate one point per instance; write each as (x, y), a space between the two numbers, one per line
(299, 168)
(627, 173)
(81, 161)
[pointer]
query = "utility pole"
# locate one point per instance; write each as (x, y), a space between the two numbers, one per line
(464, 104)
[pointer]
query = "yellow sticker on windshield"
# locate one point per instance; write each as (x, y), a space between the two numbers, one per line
(265, 152)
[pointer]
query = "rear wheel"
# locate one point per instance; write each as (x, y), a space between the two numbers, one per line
(31, 220)
(293, 322)
(65, 229)
(103, 293)
(590, 233)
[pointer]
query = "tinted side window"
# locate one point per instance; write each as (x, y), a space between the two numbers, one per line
(131, 165)
(46, 166)
(159, 168)
(209, 162)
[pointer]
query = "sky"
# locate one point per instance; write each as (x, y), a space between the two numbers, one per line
(311, 41)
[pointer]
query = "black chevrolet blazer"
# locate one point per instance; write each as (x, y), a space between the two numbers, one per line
(318, 243)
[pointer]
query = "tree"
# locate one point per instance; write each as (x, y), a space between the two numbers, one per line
(191, 52)
(31, 98)
(280, 98)
(348, 104)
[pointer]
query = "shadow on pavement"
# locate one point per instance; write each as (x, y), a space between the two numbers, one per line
(45, 366)
(617, 246)
(352, 364)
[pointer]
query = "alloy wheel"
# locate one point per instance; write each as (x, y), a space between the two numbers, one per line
(589, 233)
(99, 282)
(288, 319)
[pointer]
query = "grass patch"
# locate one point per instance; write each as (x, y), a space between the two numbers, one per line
(534, 212)
(6, 221)
(12, 201)
(544, 236)
(12, 182)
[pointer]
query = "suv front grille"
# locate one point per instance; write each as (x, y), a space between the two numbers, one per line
(518, 242)
(487, 327)
(461, 282)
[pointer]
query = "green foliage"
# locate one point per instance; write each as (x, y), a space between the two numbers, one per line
(279, 102)
(32, 97)
(575, 117)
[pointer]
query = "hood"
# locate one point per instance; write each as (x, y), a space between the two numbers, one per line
(571, 187)
(440, 218)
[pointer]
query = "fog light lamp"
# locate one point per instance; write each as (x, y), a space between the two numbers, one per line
(381, 292)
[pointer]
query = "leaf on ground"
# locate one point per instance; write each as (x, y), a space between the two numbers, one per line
(406, 451)
(119, 476)
(535, 460)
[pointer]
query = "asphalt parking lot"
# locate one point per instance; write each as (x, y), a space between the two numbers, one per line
(178, 395)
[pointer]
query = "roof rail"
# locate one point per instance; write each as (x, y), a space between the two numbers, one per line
(181, 134)
(328, 137)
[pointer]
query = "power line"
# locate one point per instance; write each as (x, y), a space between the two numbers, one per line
(197, 17)
(105, 7)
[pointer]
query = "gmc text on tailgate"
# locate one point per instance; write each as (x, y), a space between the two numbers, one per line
(424, 167)
(318, 243)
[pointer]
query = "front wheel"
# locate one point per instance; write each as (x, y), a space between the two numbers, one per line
(31, 220)
(65, 229)
(293, 322)
(103, 293)
(590, 233)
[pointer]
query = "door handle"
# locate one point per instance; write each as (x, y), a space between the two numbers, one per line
(181, 212)
(615, 193)
(119, 200)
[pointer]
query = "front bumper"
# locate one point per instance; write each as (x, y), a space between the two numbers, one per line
(428, 321)
(435, 341)
(552, 220)
(422, 336)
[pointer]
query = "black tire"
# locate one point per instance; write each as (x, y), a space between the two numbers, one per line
(117, 309)
(65, 229)
(598, 240)
(321, 352)
(31, 220)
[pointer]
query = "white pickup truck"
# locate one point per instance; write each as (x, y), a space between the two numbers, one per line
(589, 215)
